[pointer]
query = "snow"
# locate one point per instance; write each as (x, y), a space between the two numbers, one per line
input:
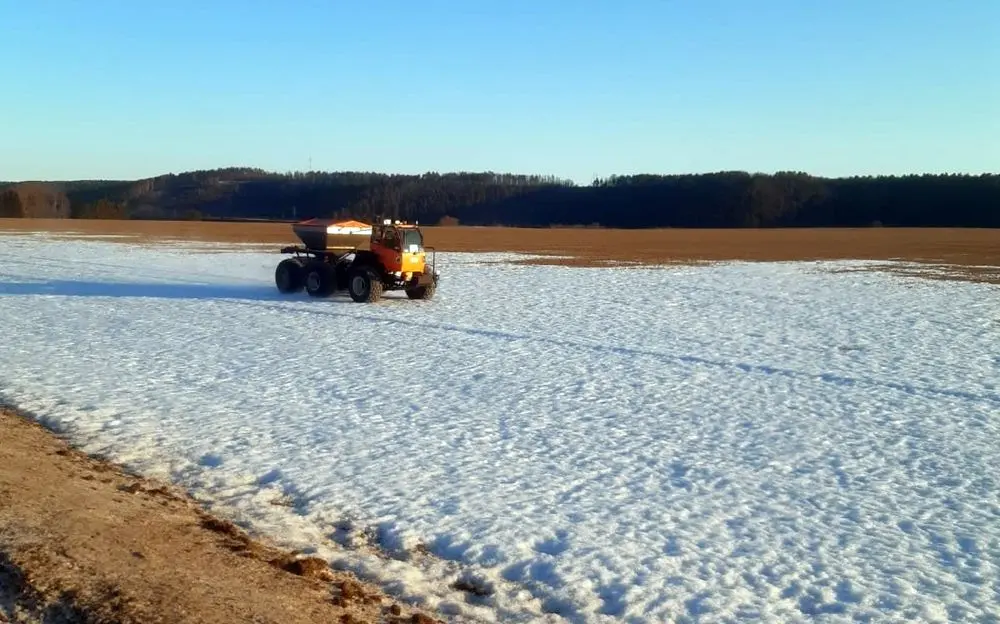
(774, 442)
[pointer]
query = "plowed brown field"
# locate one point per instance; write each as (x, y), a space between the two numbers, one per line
(961, 253)
(960, 246)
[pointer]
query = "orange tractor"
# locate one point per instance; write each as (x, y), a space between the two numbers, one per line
(396, 259)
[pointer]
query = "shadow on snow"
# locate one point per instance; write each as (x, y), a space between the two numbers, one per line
(152, 290)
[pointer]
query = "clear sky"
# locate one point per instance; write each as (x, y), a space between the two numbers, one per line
(135, 88)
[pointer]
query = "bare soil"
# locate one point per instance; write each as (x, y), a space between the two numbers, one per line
(82, 541)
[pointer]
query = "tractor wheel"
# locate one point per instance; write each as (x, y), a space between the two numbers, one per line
(421, 292)
(364, 285)
(320, 279)
(289, 276)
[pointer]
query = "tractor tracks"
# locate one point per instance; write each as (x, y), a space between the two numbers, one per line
(991, 398)
(261, 295)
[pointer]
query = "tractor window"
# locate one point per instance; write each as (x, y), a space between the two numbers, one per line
(412, 237)
(390, 238)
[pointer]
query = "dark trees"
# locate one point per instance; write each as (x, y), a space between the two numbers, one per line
(722, 199)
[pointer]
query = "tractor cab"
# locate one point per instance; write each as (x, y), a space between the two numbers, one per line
(399, 246)
(398, 237)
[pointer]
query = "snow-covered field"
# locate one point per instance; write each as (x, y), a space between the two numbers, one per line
(766, 442)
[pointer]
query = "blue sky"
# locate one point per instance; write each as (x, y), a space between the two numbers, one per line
(127, 88)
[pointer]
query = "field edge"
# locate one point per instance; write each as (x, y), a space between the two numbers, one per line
(35, 553)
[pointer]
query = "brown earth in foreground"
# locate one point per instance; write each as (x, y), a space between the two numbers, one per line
(81, 541)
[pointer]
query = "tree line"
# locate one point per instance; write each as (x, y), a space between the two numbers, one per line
(722, 199)
(785, 199)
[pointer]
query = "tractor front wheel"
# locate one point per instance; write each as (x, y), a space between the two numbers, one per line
(364, 285)
(421, 292)
(289, 276)
(320, 279)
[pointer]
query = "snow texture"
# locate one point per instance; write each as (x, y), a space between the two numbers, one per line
(775, 442)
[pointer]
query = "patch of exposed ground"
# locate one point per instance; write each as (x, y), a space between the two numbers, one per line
(932, 271)
(82, 541)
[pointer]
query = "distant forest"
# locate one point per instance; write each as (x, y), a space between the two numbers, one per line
(723, 199)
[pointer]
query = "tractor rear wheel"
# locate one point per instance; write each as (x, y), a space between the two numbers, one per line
(289, 276)
(364, 285)
(320, 279)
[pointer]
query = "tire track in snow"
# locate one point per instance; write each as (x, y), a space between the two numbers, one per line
(135, 271)
(253, 293)
(168, 276)
(256, 296)
(831, 378)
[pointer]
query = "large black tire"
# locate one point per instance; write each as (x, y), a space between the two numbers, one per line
(364, 285)
(320, 279)
(289, 276)
(421, 292)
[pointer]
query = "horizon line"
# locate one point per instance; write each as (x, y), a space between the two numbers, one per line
(559, 179)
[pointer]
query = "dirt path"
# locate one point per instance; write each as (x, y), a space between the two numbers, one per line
(81, 541)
